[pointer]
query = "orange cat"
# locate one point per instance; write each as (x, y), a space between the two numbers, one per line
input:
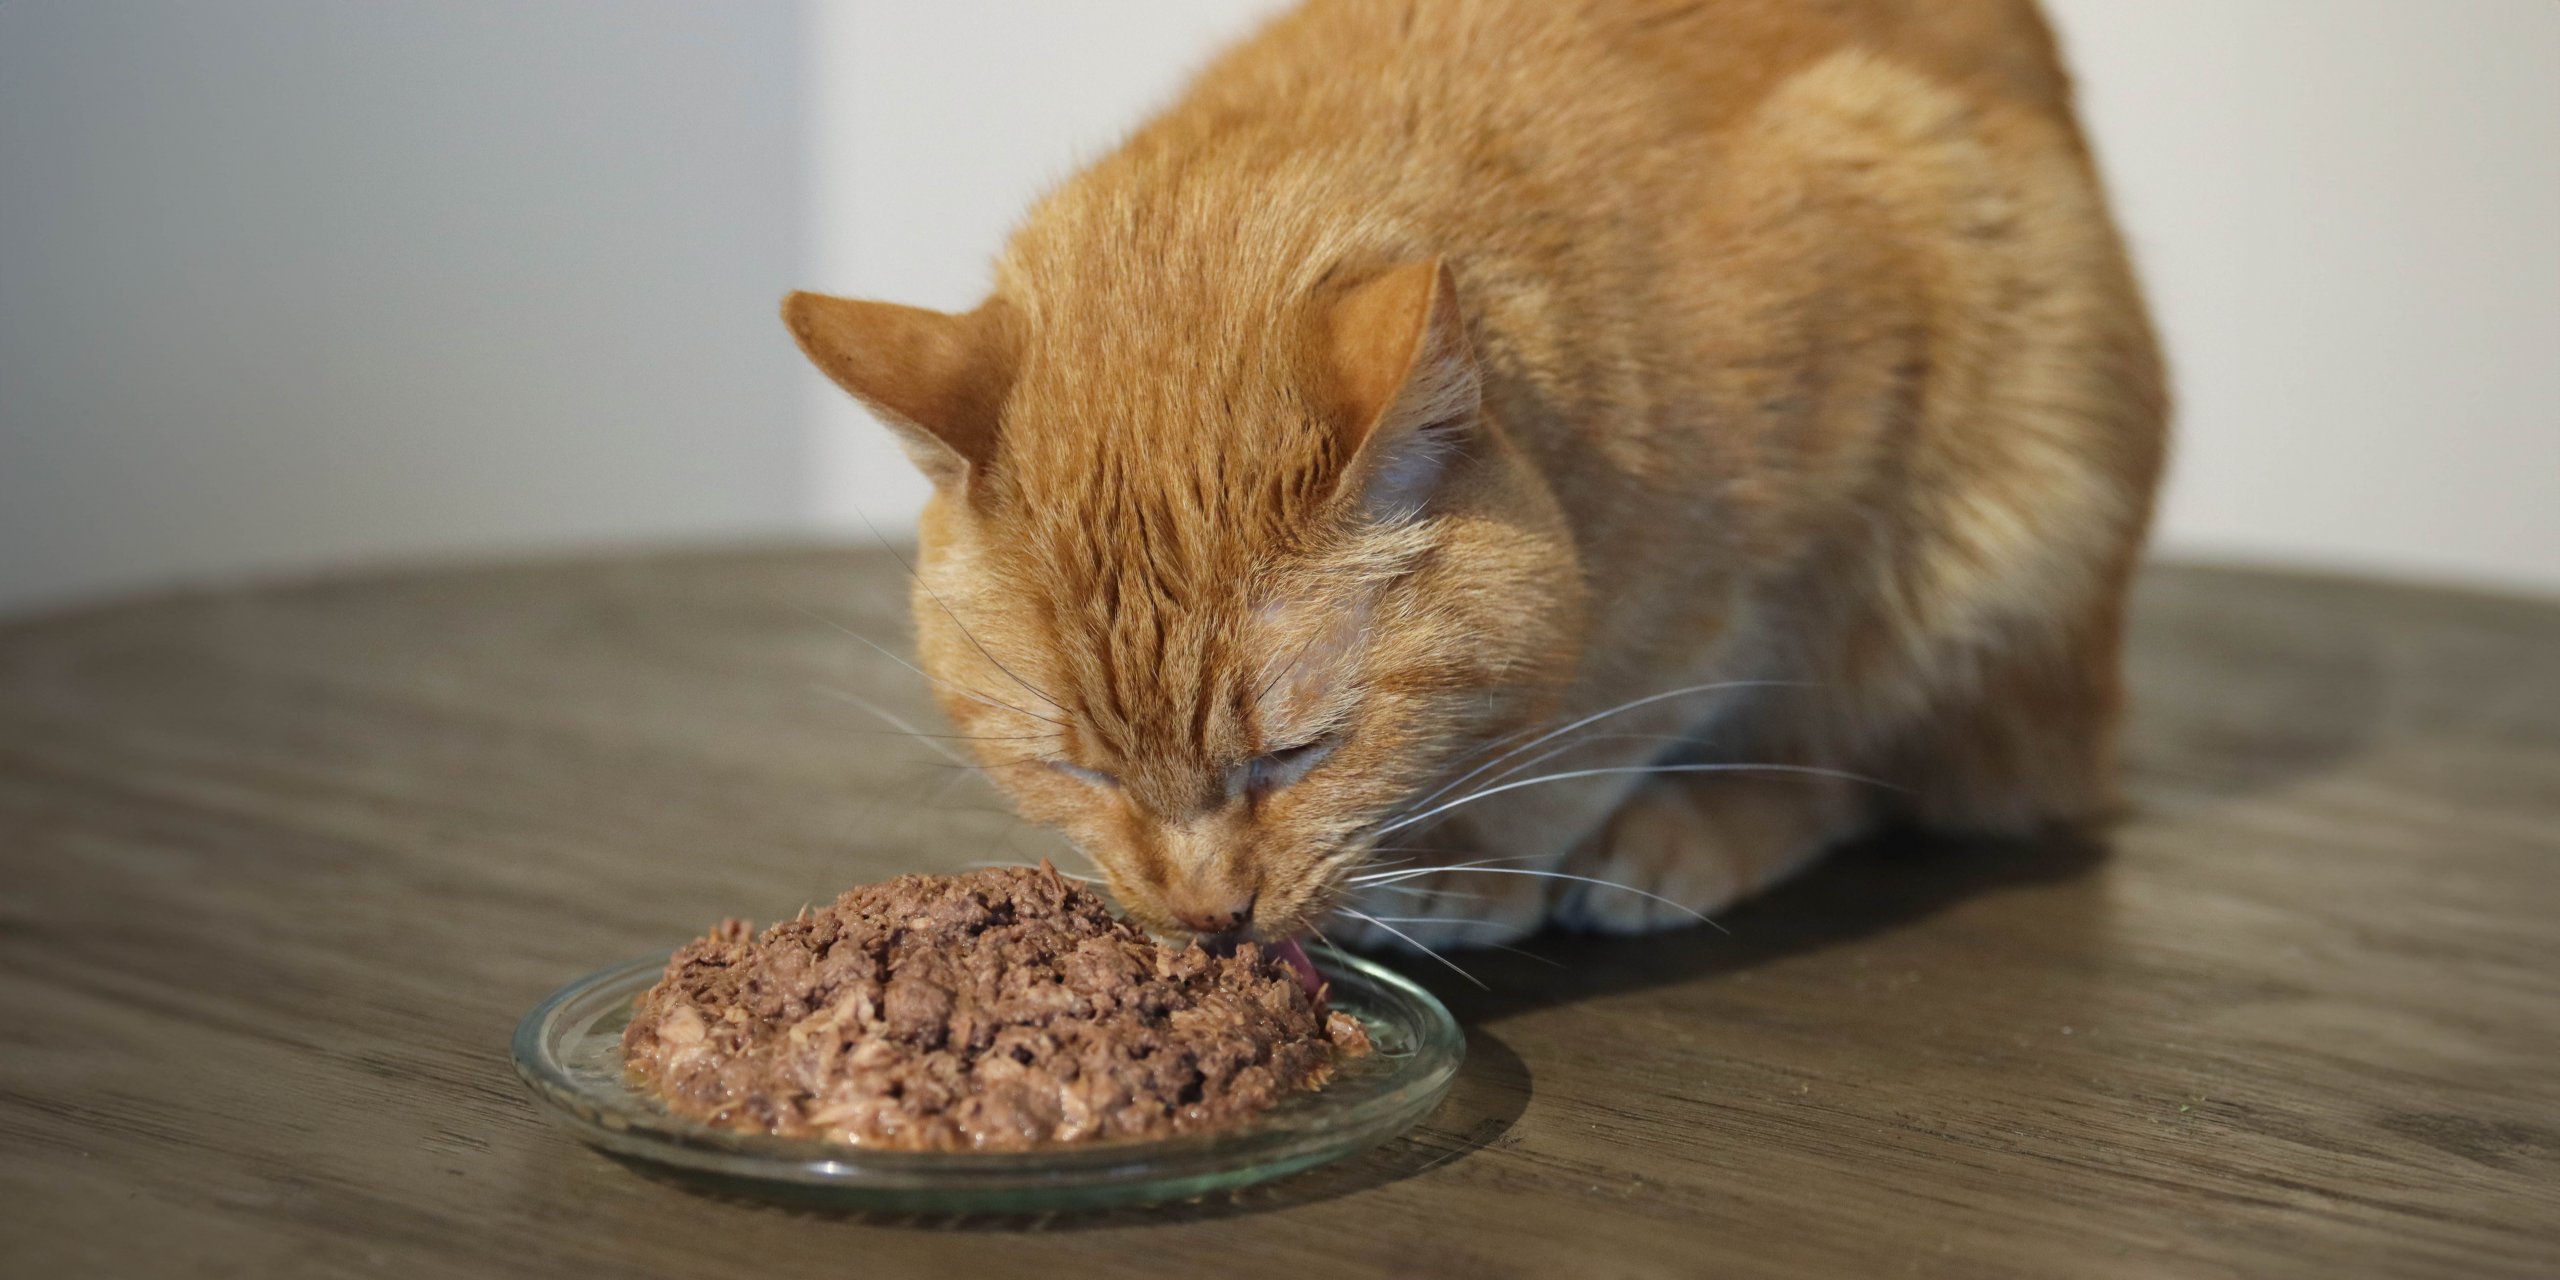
(1761, 381)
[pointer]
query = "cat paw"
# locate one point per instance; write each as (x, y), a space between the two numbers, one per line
(1441, 910)
(1680, 850)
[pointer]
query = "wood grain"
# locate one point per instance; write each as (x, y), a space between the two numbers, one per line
(280, 868)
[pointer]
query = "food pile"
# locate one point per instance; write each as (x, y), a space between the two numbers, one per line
(998, 1010)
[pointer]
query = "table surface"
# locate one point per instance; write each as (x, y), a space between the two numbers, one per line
(280, 868)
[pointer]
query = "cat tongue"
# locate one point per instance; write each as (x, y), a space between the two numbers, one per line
(1296, 956)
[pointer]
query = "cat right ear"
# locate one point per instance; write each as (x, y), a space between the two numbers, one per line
(1406, 385)
(938, 380)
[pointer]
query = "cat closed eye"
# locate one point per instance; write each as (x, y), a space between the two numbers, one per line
(1280, 768)
(1089, 777)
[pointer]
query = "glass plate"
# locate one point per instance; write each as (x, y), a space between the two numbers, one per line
(569, 1049)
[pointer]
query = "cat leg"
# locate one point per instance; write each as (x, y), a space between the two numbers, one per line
(2028, 749)
(2027, 746)
(1702, 842)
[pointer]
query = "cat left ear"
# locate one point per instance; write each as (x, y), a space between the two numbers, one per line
(1406, 384)
(938, 380)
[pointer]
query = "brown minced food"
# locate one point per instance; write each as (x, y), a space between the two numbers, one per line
(997, 1010)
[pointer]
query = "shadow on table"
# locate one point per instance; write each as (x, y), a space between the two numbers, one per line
(1491, 1091)
(1879, 884)
(2242, 684)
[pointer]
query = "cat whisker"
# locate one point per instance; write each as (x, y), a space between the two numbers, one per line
(971, 694)
(1399, 862)
(1415, 943)
(901, 728)
(1593, 718)
(1674, 903)
(1318, 931)
(936, 596)
(1481, 752)
(962, 737)
(1412, 892)
(938, 800)
(968, 766)
(1526, 954)
(1341, 859)
(1462, 922)
(1584, 741)
(1079, 850)
(1544, 756)
(1388, 877)
(1571, 774)
(895, 720)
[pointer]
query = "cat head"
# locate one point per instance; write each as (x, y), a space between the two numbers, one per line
(1218, 591)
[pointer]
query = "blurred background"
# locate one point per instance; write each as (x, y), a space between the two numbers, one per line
(288, 285)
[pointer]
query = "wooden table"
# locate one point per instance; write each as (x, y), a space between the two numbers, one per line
(279, 869)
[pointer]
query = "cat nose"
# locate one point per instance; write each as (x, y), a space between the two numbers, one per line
(1213, 921)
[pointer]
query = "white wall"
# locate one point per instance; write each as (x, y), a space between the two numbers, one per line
(287, 283)
(2349, 215)
(296, 282)
(2348, 212)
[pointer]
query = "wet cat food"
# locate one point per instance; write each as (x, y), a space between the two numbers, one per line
(1000, 1010)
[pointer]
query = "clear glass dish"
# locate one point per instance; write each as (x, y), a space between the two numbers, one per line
(569, 1050)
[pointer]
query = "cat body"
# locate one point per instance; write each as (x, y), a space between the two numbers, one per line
(1764, 378)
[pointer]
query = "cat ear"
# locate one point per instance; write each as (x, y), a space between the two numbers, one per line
(1406, 385)
(938, 380)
